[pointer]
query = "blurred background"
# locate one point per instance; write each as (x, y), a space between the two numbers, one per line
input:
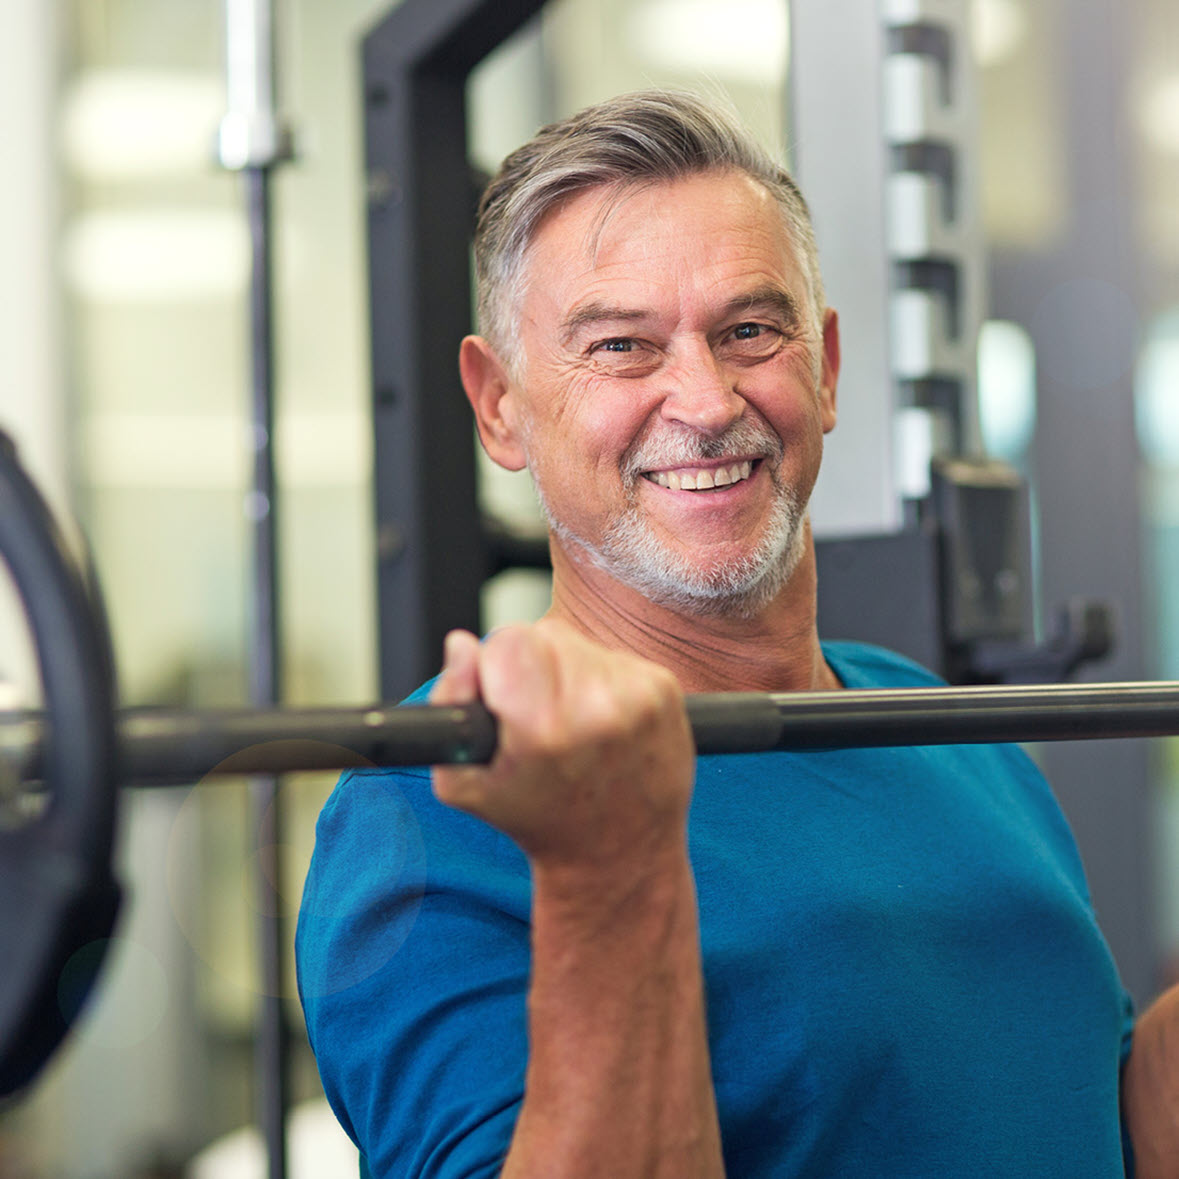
(123, 376)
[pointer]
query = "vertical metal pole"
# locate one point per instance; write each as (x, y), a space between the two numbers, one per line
(252, 141)
(272, 1046)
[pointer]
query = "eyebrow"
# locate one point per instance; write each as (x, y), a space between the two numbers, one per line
(596, 313)
(768, 298)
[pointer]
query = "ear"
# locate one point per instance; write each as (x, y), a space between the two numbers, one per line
(829, 373)
(492, 395)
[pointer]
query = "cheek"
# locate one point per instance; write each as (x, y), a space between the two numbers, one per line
(790, 407)
(795, 389)
(608, 417)
(802, 365)
(580, 447)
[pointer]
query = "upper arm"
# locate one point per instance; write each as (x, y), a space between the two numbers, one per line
(413, 971)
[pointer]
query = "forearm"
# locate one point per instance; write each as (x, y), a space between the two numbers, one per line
(1150, 1090)
(593, 778)
(618, 1080)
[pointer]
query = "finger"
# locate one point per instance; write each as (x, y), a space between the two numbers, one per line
(458, 682)
(518, 674)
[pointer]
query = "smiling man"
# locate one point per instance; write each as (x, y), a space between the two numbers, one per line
(676, 349)
(603, 956)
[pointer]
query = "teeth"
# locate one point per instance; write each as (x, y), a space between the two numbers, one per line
(686, 479)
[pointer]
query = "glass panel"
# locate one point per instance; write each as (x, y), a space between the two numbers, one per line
(1157, 420)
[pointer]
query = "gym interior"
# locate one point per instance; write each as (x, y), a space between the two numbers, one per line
(1034, 326)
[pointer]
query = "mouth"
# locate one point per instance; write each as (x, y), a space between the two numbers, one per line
(703, 478)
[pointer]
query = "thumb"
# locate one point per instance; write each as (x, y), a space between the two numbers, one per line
(458, 682)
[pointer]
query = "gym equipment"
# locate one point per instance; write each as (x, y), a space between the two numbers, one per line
(158, 747)
(254, 139)
(58, 898)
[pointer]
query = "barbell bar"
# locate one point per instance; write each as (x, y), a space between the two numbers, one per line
(157, 747)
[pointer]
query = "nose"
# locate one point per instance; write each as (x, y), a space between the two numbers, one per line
(700, 392)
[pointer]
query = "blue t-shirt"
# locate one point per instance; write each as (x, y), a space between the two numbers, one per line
(903, 972)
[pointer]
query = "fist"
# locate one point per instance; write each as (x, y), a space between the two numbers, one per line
(595, 762)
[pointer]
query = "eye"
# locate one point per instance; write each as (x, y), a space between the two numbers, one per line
(748, 331)
(624, 356)
(752, 341)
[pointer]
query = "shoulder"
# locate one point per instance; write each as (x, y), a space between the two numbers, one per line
(409, 899)
(383, 842)
(863, 665)
(369, 797)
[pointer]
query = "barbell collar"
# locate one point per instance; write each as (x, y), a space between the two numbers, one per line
(165, 747)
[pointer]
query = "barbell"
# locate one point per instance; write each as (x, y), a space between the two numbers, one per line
(165, 747)
(58, 895)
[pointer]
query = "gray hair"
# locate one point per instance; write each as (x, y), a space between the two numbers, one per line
(646, 137)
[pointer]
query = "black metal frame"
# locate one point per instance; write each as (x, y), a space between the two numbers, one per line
(432, 550)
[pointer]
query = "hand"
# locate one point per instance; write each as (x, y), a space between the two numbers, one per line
(595, 762)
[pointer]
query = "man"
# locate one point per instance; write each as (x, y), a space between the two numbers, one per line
(601, 955)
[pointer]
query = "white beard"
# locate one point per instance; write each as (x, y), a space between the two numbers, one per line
(632, 553)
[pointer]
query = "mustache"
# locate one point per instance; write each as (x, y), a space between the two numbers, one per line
(745, 438)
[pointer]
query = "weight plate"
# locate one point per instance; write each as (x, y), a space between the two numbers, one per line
(58, 895)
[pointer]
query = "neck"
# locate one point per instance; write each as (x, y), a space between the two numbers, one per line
(775, 650)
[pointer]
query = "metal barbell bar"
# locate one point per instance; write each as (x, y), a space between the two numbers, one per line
(165, 747)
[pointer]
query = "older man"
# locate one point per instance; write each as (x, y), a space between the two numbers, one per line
(602, 956)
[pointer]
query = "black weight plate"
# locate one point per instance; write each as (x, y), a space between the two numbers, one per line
(58, 896)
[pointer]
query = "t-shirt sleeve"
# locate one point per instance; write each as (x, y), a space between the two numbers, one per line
(413, 955)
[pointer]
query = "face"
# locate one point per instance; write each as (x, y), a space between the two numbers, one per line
(672, 391)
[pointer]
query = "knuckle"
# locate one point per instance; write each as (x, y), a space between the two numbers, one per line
(503, 643)
(657, 694)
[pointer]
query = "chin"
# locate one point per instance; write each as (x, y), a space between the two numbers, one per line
(631, 553)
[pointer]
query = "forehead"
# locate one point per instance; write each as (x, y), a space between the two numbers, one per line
(690, 235)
